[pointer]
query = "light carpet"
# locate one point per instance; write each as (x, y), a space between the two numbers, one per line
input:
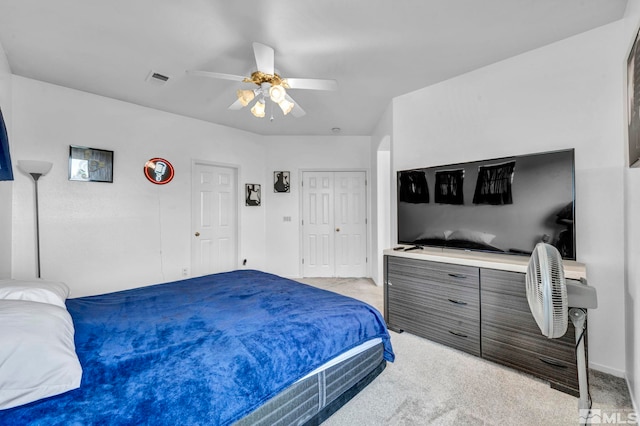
(431, 384)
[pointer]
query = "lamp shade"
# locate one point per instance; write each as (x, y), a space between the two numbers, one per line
(245, 96)
(277, 93)
(35, 167)
(286, 106)
(258, 109)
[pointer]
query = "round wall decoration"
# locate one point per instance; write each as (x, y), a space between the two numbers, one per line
(158, 171)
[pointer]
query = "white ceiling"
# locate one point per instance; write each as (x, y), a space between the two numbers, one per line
(375, 49)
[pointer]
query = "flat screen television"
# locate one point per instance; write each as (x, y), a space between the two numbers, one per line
(502, 205)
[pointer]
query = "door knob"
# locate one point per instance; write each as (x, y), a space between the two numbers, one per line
(337, 229)
(197, 234)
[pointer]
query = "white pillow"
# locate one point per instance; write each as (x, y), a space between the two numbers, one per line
(475, 236)
(37, 352)
(41, 291)
(432, 234)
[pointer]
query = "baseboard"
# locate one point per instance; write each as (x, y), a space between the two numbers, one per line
(633, 397)
(608, 370)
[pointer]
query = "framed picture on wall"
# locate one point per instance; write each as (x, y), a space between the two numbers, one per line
(6, 172)
(281, 181)
(633, 103)
(252, 194)
(90, 164)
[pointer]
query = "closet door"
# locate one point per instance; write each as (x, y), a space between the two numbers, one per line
(334, 224)
(317, 224)
(350, 223)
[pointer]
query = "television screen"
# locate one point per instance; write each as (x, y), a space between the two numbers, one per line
(504, 205)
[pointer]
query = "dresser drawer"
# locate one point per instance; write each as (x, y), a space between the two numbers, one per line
(504, 283)
(435, 285)
(443, 274)
(427, 297)
(458, 334)
(561, 349)
(558, 372)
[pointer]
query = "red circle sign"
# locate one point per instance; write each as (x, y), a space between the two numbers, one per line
(158, 171)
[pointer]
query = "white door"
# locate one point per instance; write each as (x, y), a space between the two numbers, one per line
(334, 224)
(350, 222)
(214, 219)
(317, 224)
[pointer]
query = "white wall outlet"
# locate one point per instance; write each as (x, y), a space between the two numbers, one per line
(185, 272)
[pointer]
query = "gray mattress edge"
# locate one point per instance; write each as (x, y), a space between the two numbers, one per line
(305, 400)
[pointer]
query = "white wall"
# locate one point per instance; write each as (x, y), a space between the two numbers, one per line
(295, 154)
(101, 237)
(6, 187)
(632, 213)
(565, 95)
(382, 236)
(381, 182)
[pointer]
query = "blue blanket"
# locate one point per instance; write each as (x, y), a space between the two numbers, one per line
(206, 350)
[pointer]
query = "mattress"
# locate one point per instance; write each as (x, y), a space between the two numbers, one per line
(313, 399)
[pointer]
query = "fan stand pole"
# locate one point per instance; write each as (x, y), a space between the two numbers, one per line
(578, 317)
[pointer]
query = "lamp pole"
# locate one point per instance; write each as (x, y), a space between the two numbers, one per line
(36, 169)
(35, 177)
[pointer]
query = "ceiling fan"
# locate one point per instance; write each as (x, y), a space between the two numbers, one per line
(270, 85)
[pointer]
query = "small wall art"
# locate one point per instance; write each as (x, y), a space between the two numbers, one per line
(90, 164)
(252, 194)
(158, 171)
(281, 181)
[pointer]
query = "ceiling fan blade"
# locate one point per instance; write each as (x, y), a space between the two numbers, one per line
(312, 83)
(297, 111)
(236, 105)
(264, 58)
(220, 75)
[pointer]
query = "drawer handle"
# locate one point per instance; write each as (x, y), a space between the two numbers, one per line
(458, 302)
(552, 363)
(458, 334)
(457, 275)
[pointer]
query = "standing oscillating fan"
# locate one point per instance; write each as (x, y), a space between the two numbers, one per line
(549, 296)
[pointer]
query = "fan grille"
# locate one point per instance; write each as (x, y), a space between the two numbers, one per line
(547, 291)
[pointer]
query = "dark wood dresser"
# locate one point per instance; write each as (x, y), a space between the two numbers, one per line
(476, 303)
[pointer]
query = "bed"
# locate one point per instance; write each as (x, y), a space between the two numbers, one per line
(243, 347)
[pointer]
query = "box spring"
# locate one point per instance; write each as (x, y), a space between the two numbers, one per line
(314, 399)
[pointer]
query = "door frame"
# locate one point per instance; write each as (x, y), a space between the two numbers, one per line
(239, 201)
(301, 213)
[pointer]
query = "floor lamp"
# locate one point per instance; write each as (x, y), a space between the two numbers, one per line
(36, 169)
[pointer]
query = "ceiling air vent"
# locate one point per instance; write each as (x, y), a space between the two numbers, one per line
(156, 78)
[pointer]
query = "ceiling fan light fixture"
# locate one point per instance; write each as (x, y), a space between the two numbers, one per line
(277, 93)
(258, 109)
(245, 96)
(286, 106)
